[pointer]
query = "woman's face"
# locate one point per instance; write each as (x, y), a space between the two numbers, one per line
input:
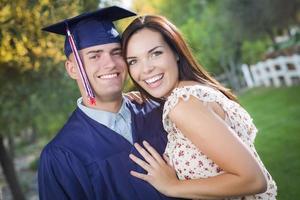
(152, 63)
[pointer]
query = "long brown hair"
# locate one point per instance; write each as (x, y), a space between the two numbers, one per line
(189, 68)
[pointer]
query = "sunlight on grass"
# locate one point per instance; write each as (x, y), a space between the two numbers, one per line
(276, 113)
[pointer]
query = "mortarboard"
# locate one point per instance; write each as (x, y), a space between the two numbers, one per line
(92, 28)
(86, 30)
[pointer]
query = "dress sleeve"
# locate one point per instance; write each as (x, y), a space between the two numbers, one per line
(61, 175)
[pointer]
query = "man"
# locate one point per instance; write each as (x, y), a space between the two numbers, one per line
(88, 158)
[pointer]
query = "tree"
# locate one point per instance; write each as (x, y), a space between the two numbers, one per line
(36, 93)
(24, 51)
(224, 34)
(257, 18)
(206, 31)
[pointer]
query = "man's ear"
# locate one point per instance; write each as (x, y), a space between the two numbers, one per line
(71, 69)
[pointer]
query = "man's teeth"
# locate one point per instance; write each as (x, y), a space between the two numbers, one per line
(153, 79)
(108, 76)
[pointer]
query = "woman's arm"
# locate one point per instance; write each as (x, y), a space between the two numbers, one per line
(209, 132)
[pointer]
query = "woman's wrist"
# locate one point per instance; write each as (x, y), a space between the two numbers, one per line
(174, 189)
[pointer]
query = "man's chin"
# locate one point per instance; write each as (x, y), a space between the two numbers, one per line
(111, 94)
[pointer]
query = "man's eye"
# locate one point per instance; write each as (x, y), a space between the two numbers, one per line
(93, 57)
(117, 53)
(131, 62)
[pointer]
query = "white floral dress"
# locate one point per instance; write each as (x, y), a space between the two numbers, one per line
(188, 161)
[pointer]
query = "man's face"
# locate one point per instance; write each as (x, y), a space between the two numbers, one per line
(106, 70)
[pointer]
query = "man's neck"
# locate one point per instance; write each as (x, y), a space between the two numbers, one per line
(108, 105)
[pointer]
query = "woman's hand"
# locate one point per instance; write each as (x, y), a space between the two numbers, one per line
(134, 96)
(159, 174)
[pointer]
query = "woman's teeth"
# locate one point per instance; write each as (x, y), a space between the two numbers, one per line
(154, 79)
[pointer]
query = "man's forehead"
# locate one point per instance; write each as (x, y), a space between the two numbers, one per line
(102, 47)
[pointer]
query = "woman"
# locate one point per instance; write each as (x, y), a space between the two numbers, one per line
(210, 152)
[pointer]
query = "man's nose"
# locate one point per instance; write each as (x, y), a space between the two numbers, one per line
(108, 61)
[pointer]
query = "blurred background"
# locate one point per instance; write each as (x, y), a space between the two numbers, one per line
(251, 46)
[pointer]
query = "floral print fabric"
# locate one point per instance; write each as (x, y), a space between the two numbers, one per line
(188, 160)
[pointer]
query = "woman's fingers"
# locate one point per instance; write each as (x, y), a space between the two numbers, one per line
(167, 159)
(144, 177)
(148, 157)
(135, 96)
(140, 162)
(153, 152)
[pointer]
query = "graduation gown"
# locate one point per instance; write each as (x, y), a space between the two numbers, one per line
(86, 160)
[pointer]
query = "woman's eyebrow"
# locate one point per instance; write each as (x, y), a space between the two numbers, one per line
(149, 51)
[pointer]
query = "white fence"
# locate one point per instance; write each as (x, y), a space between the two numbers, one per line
(273, 72)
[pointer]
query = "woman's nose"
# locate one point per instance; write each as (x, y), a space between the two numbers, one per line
(147, 66)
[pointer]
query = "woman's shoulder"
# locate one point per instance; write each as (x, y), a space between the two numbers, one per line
(186, 89)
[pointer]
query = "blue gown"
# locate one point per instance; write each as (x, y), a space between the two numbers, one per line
(87, 160)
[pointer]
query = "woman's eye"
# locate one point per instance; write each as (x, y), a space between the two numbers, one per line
(131, 62)
(156, 53)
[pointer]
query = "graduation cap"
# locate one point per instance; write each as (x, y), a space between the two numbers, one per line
(86, 30)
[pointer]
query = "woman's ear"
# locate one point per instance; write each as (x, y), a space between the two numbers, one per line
(71, 69)
(177, 57)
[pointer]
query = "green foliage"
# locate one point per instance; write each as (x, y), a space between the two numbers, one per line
(34, 165)
(256, 18)
(29, 62)
(253, 50)
(194, 18)
(54, 100)
(23, 45)
(88, 5)
(35, 91)
(106, 3)
(206, 40)
(181, 11)
(292, 41)
(225, 34)
(276, 113)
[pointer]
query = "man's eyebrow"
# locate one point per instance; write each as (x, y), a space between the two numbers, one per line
(116, 49)
(94, 51)
(149, 51)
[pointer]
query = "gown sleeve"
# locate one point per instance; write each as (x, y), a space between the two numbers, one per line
(61, 175)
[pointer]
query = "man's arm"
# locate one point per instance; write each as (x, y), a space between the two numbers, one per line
(62, 176)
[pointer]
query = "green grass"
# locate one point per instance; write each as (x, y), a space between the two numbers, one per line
(276, 113)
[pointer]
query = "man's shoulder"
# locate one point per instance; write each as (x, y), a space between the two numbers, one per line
(74, 125)
(147, 107)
